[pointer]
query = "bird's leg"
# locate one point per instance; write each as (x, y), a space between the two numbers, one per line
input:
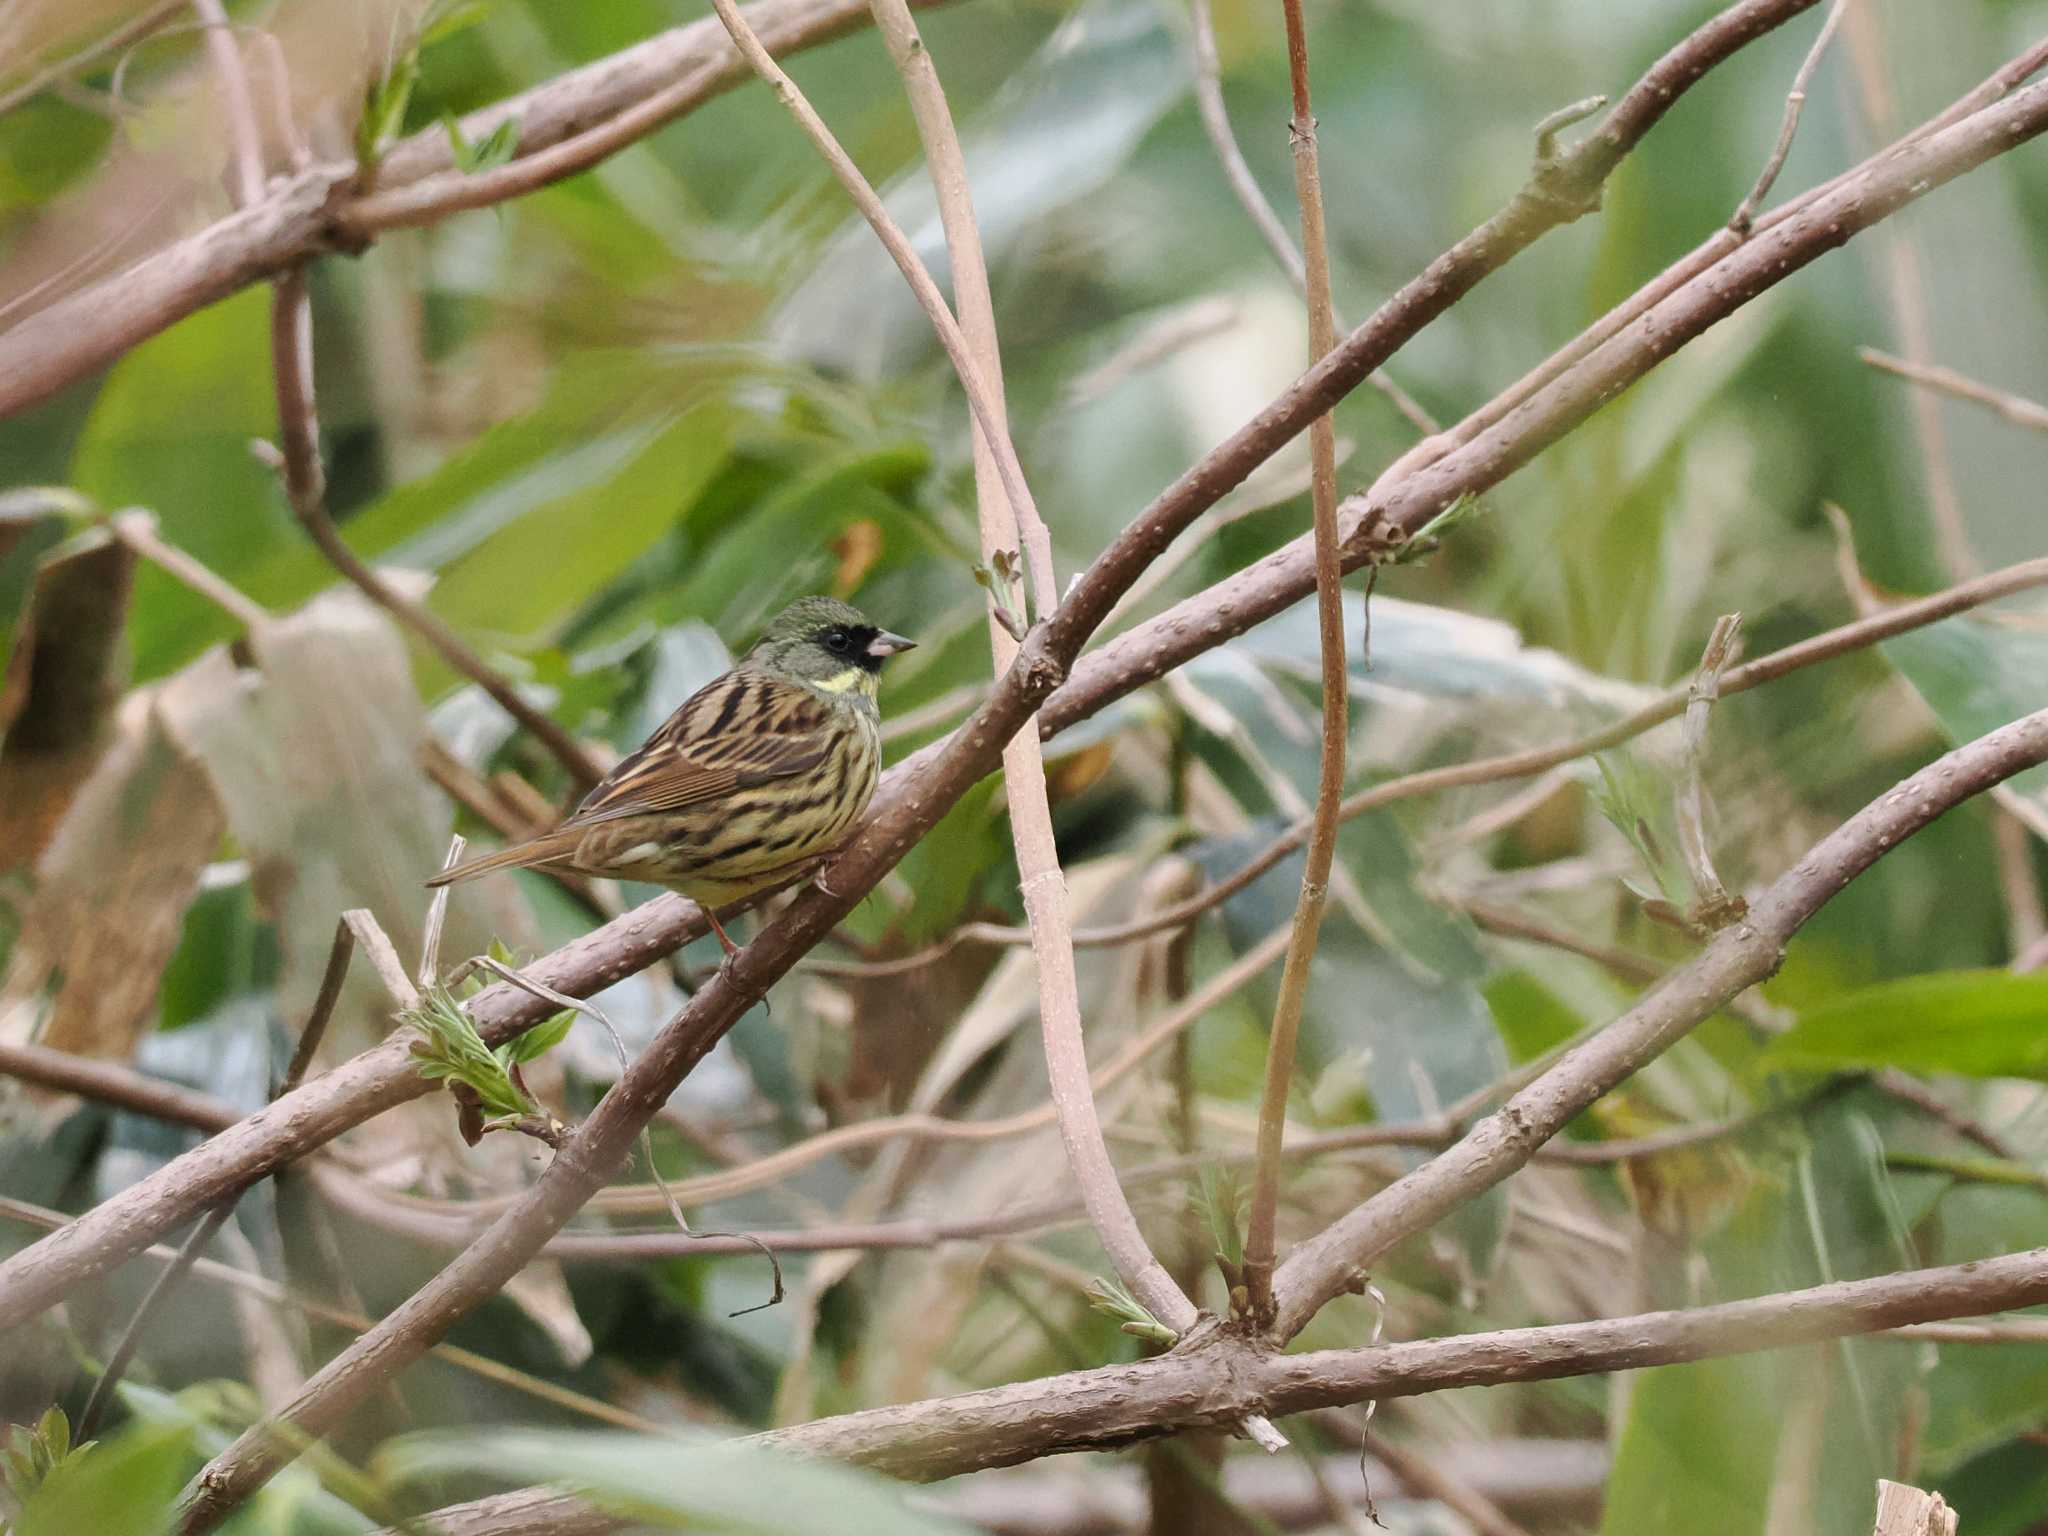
(724, 939)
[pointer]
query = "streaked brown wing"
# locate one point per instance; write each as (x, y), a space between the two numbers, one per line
(735, 732)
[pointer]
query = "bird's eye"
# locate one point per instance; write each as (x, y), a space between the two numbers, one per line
(839, 642)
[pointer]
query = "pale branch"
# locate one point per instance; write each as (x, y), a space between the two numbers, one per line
(1219, 1377)
(383, 1077)
(983, 409)
(307, 214)
(137, 529)
(2017, 409)
(299, 465)
(1262, 1219)
(131, 31)
(109, 1082)
(1008, 522)
(1841, 641)
(1712, 907)
(1336, 1259)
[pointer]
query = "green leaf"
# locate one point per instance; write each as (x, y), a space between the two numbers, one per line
(450, 1050)
(1695, 1453)
(444, 22)
(537, 1041)
(384, 107)
(1981, 1023)
(496, 148)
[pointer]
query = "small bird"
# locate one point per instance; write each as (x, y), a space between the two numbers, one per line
(760, 769)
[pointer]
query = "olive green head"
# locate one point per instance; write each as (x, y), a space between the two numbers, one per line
(828, 644)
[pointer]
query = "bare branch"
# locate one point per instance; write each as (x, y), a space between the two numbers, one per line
(1336, 698)
(2017, 409)
(1516, 426)
(1005, 522)
(291, 338)
(1245, 188)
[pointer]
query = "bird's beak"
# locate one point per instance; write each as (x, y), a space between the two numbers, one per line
(886, 644)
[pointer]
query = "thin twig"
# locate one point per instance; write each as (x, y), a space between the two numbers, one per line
(291, 337)
(1244, 186)
(1827, 646)
(137, 529)
(596, 1015)
(2001, 83)
(1795, 102)
(2017, 409)
(1259, 1255)
(133, 30)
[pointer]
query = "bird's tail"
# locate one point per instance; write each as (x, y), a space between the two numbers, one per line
(545, 849)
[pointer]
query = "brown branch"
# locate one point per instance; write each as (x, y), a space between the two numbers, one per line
(383, 1076)
(1218, 1378)
(1827, 646)
(1996, 87)
(2017, 409)
(110, 1083)
(1336, 690)
(1736, 959)
(1795, 103)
